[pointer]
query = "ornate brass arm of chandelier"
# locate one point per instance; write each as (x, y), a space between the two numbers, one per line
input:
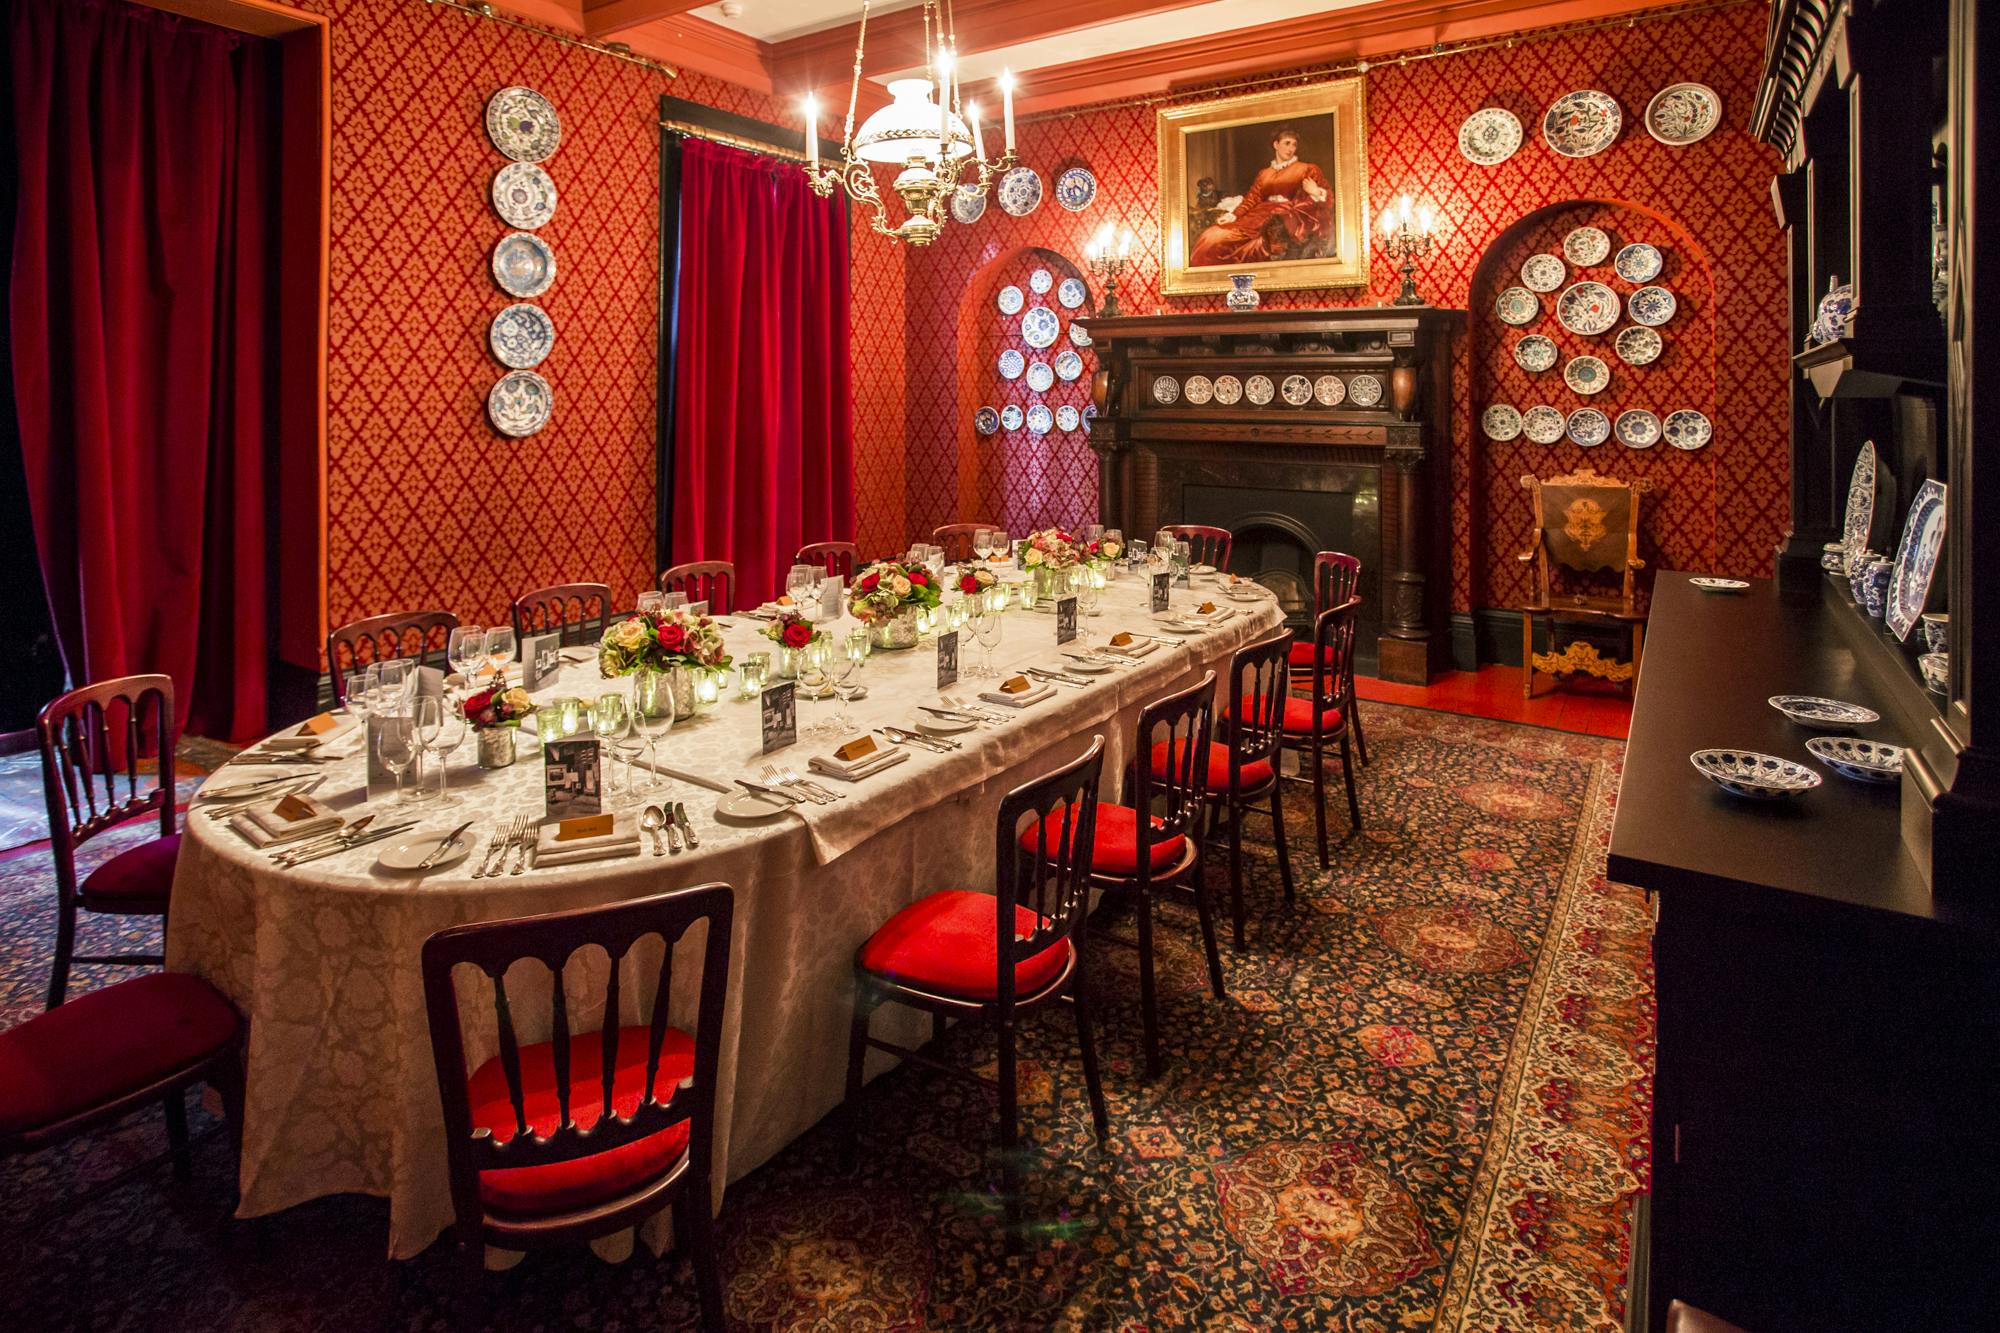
(935, 142)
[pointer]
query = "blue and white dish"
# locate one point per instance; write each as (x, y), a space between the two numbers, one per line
(1010, 300)
(1067, 417)
(1587, 247)
(1708, 584)
(1810, 710)
(1858, 760)
(1761, 777)
(968, 204)
(1068, 364)
(1489, 136)
(1364, 390)
(1652, 306)
(1543, 273)
(520, 403)
(1041, 378)
(1041, 281)
(1012, 363)
(1637, 428)
(1686, 429)
(1071, 293)
(1936, 668)
(986, 421)
(523, 195)
(1916, 559)
(1501, 422)
(1834, 310)
(1020, 192)
(1011, 416)
(1587, 427)
(1588, 308)
(1542, 424)
(1937, 630)
(523, 264)
(1860, 505)
(1517, 305)
(1040, 326)
(1040, 419)
(521, 335)
(1638, 345)
(1079, 335)
(1166, 390)
(1089, 415)
(1198, 390)
(1075, 189)
(1535, 353)
(1587, 375)
(1638, 262)
(523, 125)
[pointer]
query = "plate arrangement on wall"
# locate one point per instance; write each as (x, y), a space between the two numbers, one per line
(1076, 189)
(523, 125)
(1543, 273)
(1683, 113)
(1489, 136)
(1687, 429)
(1638, 345)
(1583, 123)
(1543, 424)
(521, 336)
(520, 403)
(523, 264)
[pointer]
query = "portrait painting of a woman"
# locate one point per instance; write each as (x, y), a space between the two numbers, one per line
(1283, 215)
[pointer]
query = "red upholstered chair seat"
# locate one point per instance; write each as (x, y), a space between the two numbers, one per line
(561, 1187)
(104, 1045)
(1116, 848)
(1302, 654)
(145, 871)
(1254, 774)
(945, 943)
(1298, 719)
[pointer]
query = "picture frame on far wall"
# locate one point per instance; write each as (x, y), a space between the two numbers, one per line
(1273, 184)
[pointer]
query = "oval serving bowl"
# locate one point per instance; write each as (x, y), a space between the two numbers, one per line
(1856, 759)
(1809, 710)
(1760, 777)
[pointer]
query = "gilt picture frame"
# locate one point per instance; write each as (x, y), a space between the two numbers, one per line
(1273, 184)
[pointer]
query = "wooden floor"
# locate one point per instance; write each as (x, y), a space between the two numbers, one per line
(1495, 692)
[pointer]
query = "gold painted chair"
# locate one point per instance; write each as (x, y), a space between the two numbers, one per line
(1588, 525)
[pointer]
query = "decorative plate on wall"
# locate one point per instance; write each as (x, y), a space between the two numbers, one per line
(1543, 273)
(1543, 425)
(1330, 390)
(1860, 519)
(523, 264)
(1072, 293)
(1010, 300)
(1198, 390)
(1489, 136)
(1228, 390)
(1041, 282)
(1587, 375)
(1652, 306)
(1040, 326)
(520, 403)
(1365, 390)
(1297, 390)
(1020, 191)
(1637, 429)
(1582, 123)
(1517, 305)
(1259, 389)
(1638, 262)
(1078, 334)
(1638, 345)
(521, 335)
(1587, 246)
(523, 125)
(1916, 559)
(968, 204)
(1588, 427)
(1067, 417)
(1040, 377)
(986, 421)
(1535, 353)
(1166, 389)
(1040, 419)
(1012, 363)
(1500, 422)
(1068, 364)
(1089, 415)
(1686, 429)
(523, 195)
(1011, 416)
(1588, 308)
(1075, 189)
(1683, 113)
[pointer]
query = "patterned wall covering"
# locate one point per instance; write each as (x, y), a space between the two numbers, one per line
(1723, 510)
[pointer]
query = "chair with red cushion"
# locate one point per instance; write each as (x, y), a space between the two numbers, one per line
(103, 1054)
(1136, 858)
(1206, 545)
(421, 635)
(838, 559)
(1314, 722)
(577, 611)
(710, 581)
(956, 539)
(1243, 766)
(534, 1159)
(995, 957)
(1335, 578)
(92, 741)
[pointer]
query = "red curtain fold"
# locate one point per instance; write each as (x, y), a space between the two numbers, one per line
(142, 271)
(763, 418)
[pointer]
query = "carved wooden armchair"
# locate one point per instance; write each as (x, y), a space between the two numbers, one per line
(1586, 524)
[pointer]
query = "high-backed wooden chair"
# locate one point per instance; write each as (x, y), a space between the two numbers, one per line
(838, 559)
(93, 740)
(1336, 575)
(423, 635)
(711, 581)
(1314, 722)
(584, 1135)
(1588, 525)
(956, 539)
(579, 611)
(1206, 545)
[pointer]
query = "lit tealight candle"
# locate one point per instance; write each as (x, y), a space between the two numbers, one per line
(707, 688)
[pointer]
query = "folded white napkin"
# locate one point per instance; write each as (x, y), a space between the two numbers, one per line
(1215, 617)
(622, 840)
(1021, 700)
(866, 766)
(1136, 648)
(245, 791)
(298, 738)
(262, 826)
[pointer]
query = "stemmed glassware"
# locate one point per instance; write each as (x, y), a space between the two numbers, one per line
(426, 726)
(450, 734)
(650, 602)
(840, 669)
(465, 649)
(396, 743)
(799, 584)
(653, 715)
(982, 542)
(357, 692)
(397, 684)
(500, 649)
(612, 721)
(989, 624)
(1090, 587)
(1002, 544)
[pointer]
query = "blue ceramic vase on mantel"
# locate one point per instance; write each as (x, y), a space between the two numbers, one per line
(1242, 296)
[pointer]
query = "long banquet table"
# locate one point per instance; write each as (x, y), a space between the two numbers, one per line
(323, 960)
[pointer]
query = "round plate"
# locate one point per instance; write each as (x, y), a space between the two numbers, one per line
(1810, 710)
(1020, 191)
(523, 264)
(1638, 345)
(1637, 429)
(986, 421)
(1489, 136)
(1041, 282)
(1652, 306)
(1296, 390)
(1543, 273)
(1040, 377)
(1686, 429)
(1176, 627)
(520, 403)
(523, 195)
(942, 726)
(1072, 293)
(409, 853)
(1588, 308)
(1228, 390)
(1517, 305)
(1586, 375)
(1862, 761)
(1010, 300)
(1040, 326)
(1759, 776)
(1012, 363)
(1582, 123)
(1078, 334)
(1683, 113)
(1166, 389)
(1365, 390)
(1501, 422)
(1199, 389)
(1089, 415)
(1587, 246)
(1085, 665)
(1588, 427)
(1543, 424)
(968, 204)
(1638, 262)
(1011, 416)
(1068, 365)
(1535, 353)
(1075, 189)
(1067, 417)
(523, 125)
(1259, 389)
(749, 806)
(521, 335)
(1720, 585)
(1040, 419)
(1329, 390)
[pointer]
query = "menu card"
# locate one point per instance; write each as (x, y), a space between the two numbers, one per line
(781, 715)
(541, 659)
(571, 778)
(1065, 620)
(947, 661)
(1162, 586)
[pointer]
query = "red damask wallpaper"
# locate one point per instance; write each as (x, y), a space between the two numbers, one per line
(1706, 205)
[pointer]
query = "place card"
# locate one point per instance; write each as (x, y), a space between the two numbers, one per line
(1017, 685)
(570, 777)
(541, 659)
(947, 646)
(781, 715)
(858, 748)
(294, 808)
(1162, 590)
(317, 725)
(584, 826)
(1065, 620)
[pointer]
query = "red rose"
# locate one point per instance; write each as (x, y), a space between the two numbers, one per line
(479, 702)
(868, 582)
(919, 579)
(673, 637)
(797, 635)
(969, 584)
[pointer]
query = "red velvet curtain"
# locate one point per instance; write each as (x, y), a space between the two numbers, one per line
(763, 415)
(143, 267)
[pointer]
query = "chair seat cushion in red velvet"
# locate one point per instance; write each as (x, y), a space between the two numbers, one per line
(1253, 774)
(1116, 846)
(1298, 718)
(145, 871)
(947, 943)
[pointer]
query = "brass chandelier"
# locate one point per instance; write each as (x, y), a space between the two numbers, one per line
(933, 141)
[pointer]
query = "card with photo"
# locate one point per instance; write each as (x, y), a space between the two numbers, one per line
(781, 715)
(571, 777)
(1162, 590)
(1065, 620)
(541, 660)
(947, 661)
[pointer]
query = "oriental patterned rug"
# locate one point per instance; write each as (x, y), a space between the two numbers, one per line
(1422, 1106)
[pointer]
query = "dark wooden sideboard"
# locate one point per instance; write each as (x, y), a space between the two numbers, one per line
(1367, 472)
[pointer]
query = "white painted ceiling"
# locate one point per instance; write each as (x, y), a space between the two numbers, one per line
(779, 20)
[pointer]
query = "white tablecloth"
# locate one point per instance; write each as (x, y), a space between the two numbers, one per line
(323, 960)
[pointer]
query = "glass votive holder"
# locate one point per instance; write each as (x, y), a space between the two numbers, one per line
(707, 690)
(752, 671)
(559, 718)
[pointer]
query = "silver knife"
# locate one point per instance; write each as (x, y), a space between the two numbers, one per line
(771, 792)
(347, 846)
(1057, 676)
(673, 829)
(308, 844)
(450, 841)
(687, 827)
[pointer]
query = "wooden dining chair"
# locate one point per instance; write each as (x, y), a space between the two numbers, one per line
(422, 635)
(579, 611)
(584, 1134)
(1313, 723)
(1206, 545)
(93, 740)
(710, 581)
(1336, 576)
(1147, 846)
(956, 539)
(838, 559)
(994, 958)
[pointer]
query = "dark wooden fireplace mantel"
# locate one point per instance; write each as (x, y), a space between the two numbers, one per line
(1391, 456)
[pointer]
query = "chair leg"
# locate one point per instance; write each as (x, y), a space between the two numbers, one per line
(1347, 772)
(1204, 906)
(1093, 1081)
(1149, 1010)
(1319, 797)
(1278, 836)
(65, 945)
(1354, 717)
(695, 1229)
(1010, 1134)
(1236, 871)
(1528, 656)
(857, 1042)
(175, 1105)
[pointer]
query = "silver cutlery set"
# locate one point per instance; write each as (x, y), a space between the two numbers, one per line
(672, 817)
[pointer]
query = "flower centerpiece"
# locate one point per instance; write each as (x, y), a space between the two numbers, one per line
(674, 643)
(1103, 552)
(493, 714)
(793, 634)
(888, 595)
(1051, 556)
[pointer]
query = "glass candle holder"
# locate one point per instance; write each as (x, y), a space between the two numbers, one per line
(752, 671)
(559, 718)
(707, 690)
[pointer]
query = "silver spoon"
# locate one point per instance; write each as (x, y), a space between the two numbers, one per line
(651, 819)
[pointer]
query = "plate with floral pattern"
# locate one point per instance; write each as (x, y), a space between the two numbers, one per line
(1011, 416)
(968, 204)
(1166, 389)
(1859, 520)
(1198, 390)
(1535, 353)
(1067, 417)
(1638, 262)
(1489, 136)
(1330, 390)
(1587, 247)
(1583, 123)
(1010, 299)
(523, 264)
(1041, 377)
(1040, 326)
(1652, 306)
(520, 403)
(1089, 415)
(1259, 389)
(1916, 559)
(1228, 390)
(1500, 422)
(1040, 419)
(1587, 375)
(1020, 191)
(1365, 390)
(1076, 188)
(986, 421)
(1543, 273)
(1296, 390)
(523, 195)
(1638, 345)
(1068, 364)
(1072, 293)
(1686, 429)
(521, 335)
(1588, 308)
(1637, 428)
(1683, 113)
(1041, 282)
(523, 125)
(1079, 335)
(1012, 363)
(1588, 427)
(1517, 305)
(1542, 424)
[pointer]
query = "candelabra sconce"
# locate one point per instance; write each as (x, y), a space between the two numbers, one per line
(1106, 262)
(1408, 235)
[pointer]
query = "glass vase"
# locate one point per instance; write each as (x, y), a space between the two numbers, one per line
(897, 631)
(496, 747)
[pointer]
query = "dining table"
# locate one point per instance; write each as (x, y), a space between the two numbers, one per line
(323, 958)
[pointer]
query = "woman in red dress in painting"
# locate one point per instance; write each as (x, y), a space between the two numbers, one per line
(1282, 216)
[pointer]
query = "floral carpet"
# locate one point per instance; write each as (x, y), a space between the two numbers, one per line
(1422, 1106)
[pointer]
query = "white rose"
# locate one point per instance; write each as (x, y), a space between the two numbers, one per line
(629, 634)
(900, 586)
(1035, 556)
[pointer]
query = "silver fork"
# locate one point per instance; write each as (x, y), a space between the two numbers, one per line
(496, 852)
(786, 778)
(797, 779)
(524, 846)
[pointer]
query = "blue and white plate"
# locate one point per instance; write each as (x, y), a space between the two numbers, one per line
(1858, 760)
(1040, 326)
(1516, 305)
(1500, 422)
(1041, 281)
(1637, 429)
(1761, 777)
(1535, 353)
(1916, 559)
(1072, 293)
(1652, 306)
(1068, 364)
(1012, 363)
(1686, 429)
(521, 335)
(523, 195)
(1067, 417)
(520, 403)
(523, 125)
(1583, 123)
(1705, 583)
(1588, 308)
(1040, 419)
(986, 421)
(1860, 505)
(523, 264)
(1638, 345)
(1821, 714)
(1011, 299)
(1089, 415)
(1011, 416)
(1075, 189)
(1588, 427)
(1638, 262)
(1040, 377)
(1543, 273)
(1489, 136)
(1363, 390)
(1542, 424)
(968, 204)
(1020, 192)
(1078, 334)
(1587, 375)
(1587, 247)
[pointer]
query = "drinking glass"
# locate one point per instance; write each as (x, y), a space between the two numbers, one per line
(653, 715)
(356, 693)
(988, 629)
(612, 721)
(650, 602)
(500, 649)
(842, 668)
(396, 746)
(1002, 543)
(451, 734)
(1092, 532)
(426, 725)
(1089, 590)
(465, 649)
(398, 684)
(982, 542)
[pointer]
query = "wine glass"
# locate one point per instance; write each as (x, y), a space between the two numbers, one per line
(1002, 544)
(982, 542)
(426, 725)
(396, 746)
(398, 684)
(452, 731)
(465, 650)
(840, 669)
(650, 602)
(500, 649)
(356, 693)
(653, 715)
(987, 630)
(1090, 587)
(612, 721)
(1092, 532)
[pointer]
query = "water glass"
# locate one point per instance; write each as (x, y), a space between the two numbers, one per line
(356, 692)
(396, 746)
(426, 725)
(982, 542)
(650, 602)
(612, 721)
(653, 715)
(398, 684)
(451, 734)
(465, 649)
(500, 649)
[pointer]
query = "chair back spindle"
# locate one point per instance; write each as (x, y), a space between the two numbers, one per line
(711, 581)
(1258, 682)
(578, 611)
(1336, 575)
(1175, 792)
(1055, 885)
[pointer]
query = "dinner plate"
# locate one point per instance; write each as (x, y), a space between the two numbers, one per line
(1076, 188)
(523, 264)
(1652, 306)
(1297, 390)
(1587, 247)
(1068, 364)
(523, 195)
(986, 421)
(409, 853)
(1535, 353)
(1041, 378)
(1582, 124)
(1198, 390)
(1067, 417)
(1166, 389)
(1011, 416)
(1365, 390)
(1542, 424)
(1329, 390)
(1638, 345)
(1259, 389)
(749, 806)
(1586, 375)
(1588, 308)
(521, 336)
(1516, 305)
(1228, 390)
(1020, 191)
(1638, 262)
(1543, 273)
(519, 403)
(1683, 113)
(1489, 136)
(1761, 777)
(942, 726)
(1072, 293)
(1810, 710)
(1686, 429)
(523, 125)
(1040, 419)
(1039, 326)
(1636, 428)
(1501, 422)
(1012, 363)
(1041, 282)
(1010, 300)
(1588, 427)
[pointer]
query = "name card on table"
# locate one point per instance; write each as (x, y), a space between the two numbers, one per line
(541, 659)
(829, 597)
(1162, 586)
(1065, 620)
(571, 778)
(780, 704)
(947, 645)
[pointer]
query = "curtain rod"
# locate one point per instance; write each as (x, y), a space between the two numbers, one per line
(1363, 64)
(687, 130)
(616, 50)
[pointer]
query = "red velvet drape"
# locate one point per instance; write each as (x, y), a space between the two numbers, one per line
(142, 277)
(764, 420)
